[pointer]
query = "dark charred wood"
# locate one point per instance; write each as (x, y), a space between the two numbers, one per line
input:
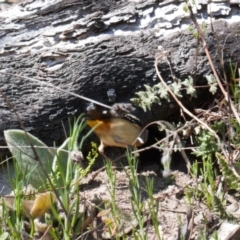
(90, 47)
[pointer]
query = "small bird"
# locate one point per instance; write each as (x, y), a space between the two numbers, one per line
(115, 127)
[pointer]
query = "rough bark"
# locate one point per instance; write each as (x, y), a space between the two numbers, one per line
(90, 47)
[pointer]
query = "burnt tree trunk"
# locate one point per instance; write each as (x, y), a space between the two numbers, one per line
(90, 47)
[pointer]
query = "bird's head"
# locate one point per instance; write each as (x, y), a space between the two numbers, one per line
(94, 112)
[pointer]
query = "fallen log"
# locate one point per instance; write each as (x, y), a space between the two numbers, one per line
(104, 50)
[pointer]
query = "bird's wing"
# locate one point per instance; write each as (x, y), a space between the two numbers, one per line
(127, 133)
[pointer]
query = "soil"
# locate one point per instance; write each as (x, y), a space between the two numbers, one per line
(168, 192)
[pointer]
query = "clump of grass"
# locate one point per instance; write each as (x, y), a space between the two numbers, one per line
(64, 218)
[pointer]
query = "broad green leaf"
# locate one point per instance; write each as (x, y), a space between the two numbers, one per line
(19, 145)
(4, 236)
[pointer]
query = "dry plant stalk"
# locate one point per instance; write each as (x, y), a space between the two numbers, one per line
(225, 94)
(206, 126)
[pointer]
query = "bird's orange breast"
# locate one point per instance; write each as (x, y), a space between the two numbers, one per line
(98, 125)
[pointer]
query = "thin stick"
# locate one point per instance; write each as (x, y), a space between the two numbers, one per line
(57, 88)
(185, 109)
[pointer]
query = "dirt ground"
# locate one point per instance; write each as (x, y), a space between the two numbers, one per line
(167, 191)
